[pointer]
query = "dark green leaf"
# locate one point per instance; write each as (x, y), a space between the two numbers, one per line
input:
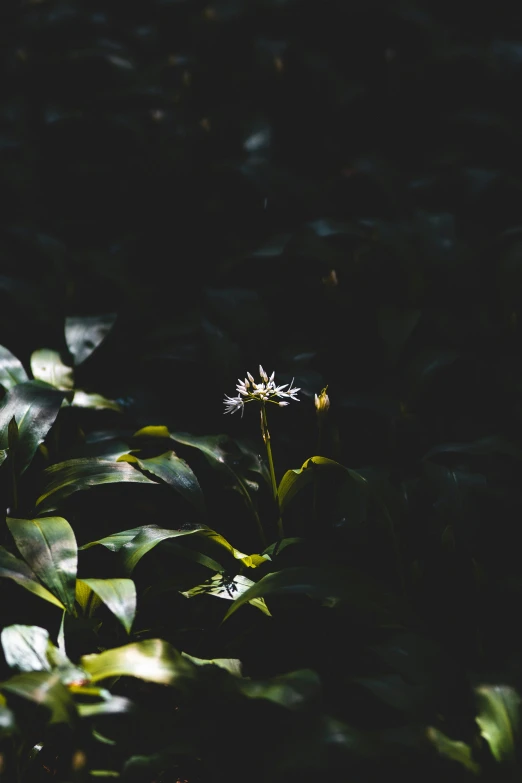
(11, 369)
(13, 568)
(79, 474)
(295, 480)
(118, 595)
(35, 407)
(453, 750)
(173, 471)
(49, 547)
(84, 334)
(345, 585)
(291, 690)
(43, 688)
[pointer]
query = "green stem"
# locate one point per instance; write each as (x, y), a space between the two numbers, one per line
(266, 437)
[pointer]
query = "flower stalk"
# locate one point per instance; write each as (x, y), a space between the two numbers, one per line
(263, 393)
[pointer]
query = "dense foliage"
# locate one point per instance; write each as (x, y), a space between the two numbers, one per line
(333, 189)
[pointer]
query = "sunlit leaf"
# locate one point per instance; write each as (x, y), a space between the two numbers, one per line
(74, 475)
(175, 472)
(49, 547)
(43, 688)
(13, 568)
(47, 366)
(11, 369)
(499, 719)
(25, 647)
(295, 480)
(345, 585)
(84, 334)
(231, 665)
(118, 595)
(452, 749)
(152, 659)
(230, 589)
(35, 407)
(97, 402)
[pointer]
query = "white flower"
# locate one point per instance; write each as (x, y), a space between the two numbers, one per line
(265, 391)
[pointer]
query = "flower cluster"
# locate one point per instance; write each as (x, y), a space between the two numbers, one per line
(266, 391)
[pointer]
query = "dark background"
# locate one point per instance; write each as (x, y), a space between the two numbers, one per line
(333, 189)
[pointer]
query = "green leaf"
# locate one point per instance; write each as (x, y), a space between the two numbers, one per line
(49, 546)
(43, 688)
(135, 543)
(13, 568)
(230, 589)
(47, 366)
(345, 585)
(25, 648)
(175, 472)
(147, 538)
(152, 660)
(11, 369)
(97, 402)
(499, 719)
(453, 750)
(84, 334)
(116, 541)
(291, 690)
(231, 665)
(75, 475)
(35, 408)
(118, 595)
(294, 480)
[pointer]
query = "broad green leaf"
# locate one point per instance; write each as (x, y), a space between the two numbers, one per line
(344, 585)
(74, 475)
(151, 659)
(147, 538)
(84, 334)
(231, 665)
(115, 541)
(118, 595)
(43, 688)
(499, 719)
(25, 648)
(47, 366)
(13, 568)
(153, 432)
(83, 399)
(175, 472)
(230, 589)
(11, 369)
(291, 690)
(135, 543)
(295, 480)
(49, 546)
(34, 407)
(452, 749)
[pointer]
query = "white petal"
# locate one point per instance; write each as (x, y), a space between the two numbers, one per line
(263, 374)
(250, 377)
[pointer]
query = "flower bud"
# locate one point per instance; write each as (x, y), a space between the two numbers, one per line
(322, 402)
